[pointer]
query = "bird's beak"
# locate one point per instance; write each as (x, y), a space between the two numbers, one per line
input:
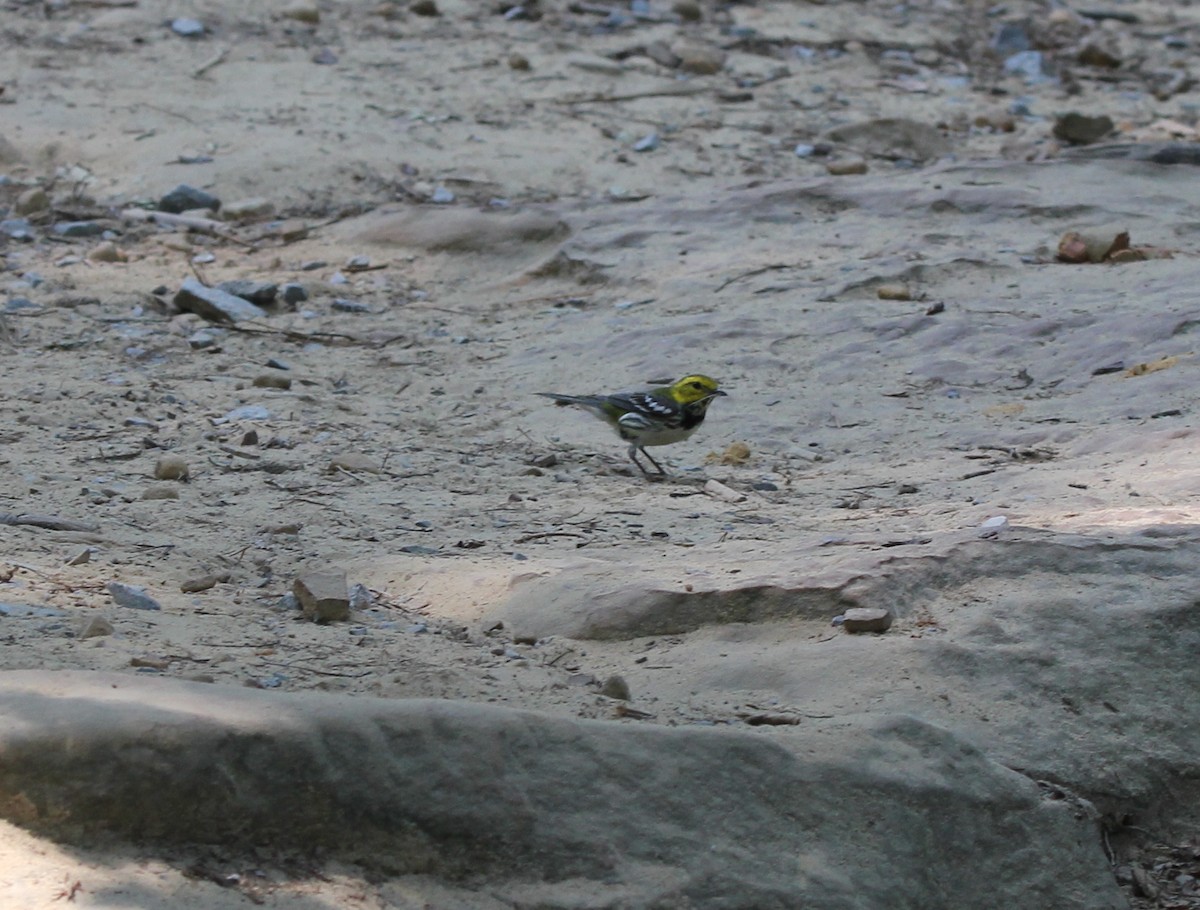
(722, 394)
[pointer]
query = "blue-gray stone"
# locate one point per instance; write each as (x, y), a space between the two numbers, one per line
(215, 304)
(1011, 38)
(350, 306)
(647, 143)
(262, 293)
(1027, 64)
(132, 596)
(17, 228)
(188, 28)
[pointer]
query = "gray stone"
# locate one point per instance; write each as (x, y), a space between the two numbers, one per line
(1011, 38)
(342, 305)
(534, 810)
(215, 304)
(78, 229)
(261, 293)
(700, 59)
(16, 229)
(31, 201)
(1029, 64)
(1080, 129)
(294, 293)
(80, 558)
(867, 619)
(131, 596)
(201, 340)
(323, 596)
(185, 197)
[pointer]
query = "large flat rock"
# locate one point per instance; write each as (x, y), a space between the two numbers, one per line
(535, 810)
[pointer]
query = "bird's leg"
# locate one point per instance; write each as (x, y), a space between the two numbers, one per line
(633, 450)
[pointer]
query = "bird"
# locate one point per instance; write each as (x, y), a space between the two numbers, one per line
(656, 417)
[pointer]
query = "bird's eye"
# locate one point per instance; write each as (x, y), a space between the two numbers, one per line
(696, 385)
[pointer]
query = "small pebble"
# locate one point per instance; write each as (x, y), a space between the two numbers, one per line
(647, 143)
(293, 293)
(701, 59)
(518, 62)
(96, 627)
(204, 582)
(185, 197)
(188, 28)
(83, 557)
(107, 252)
(202, 339)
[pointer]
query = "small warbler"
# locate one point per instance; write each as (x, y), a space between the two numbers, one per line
(656, 417)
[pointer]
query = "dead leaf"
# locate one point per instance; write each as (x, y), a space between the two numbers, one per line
(1153, 366)
(735, 453)
(1091, 246)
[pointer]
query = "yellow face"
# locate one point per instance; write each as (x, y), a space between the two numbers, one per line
(694, 388)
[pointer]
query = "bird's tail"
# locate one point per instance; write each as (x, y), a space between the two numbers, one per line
(563, 400)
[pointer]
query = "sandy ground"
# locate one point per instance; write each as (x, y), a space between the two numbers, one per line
(605, 220)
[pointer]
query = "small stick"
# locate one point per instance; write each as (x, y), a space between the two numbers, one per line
(670, 92)
(208, 64)
(50, 522)
(192, 223)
